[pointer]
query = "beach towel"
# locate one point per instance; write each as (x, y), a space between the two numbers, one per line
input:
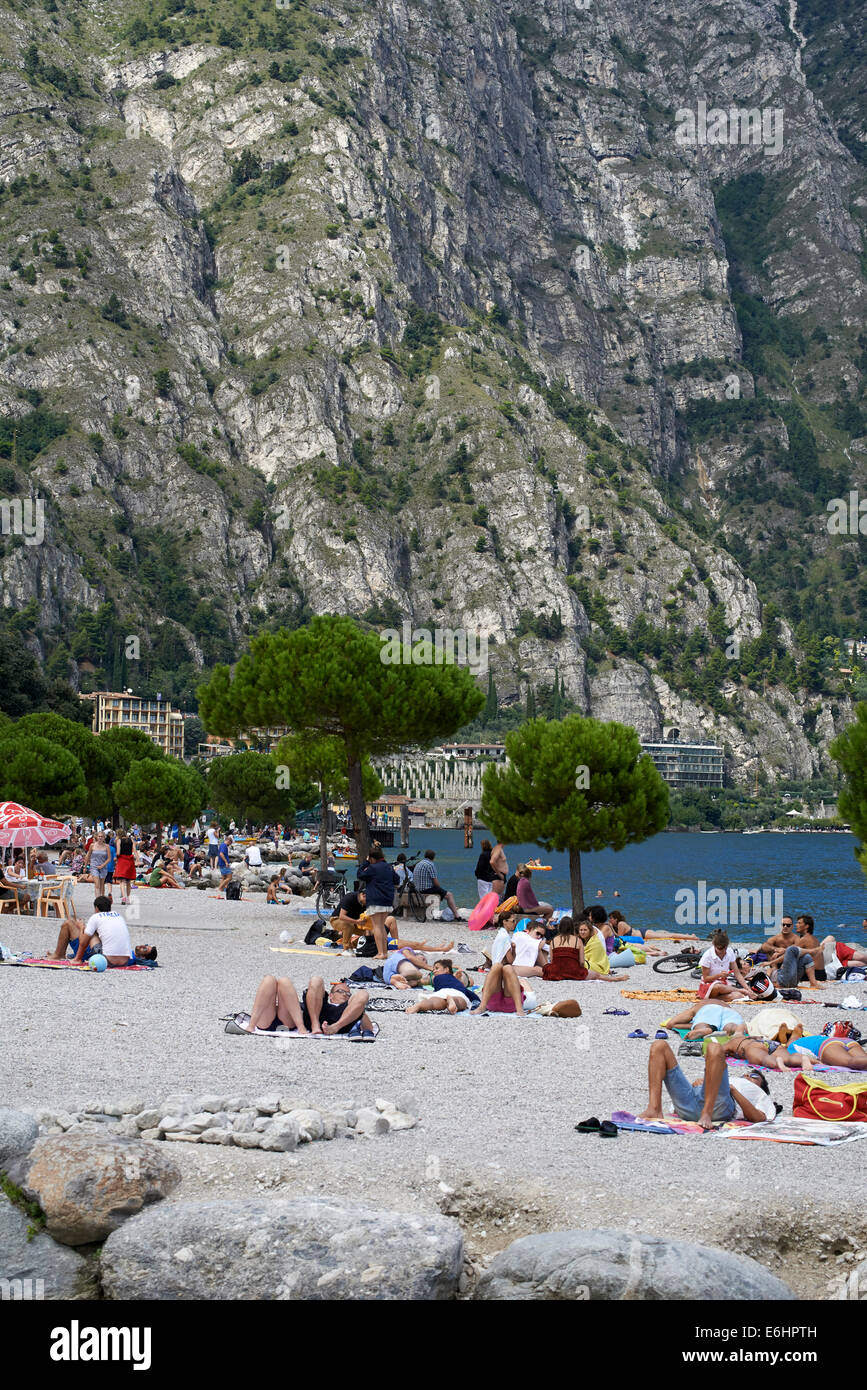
(302, 951)
(292, 1036)
(45, 964)
(672, 1124)
(382, 1004)
(624, 1120)
(674, 996)
(309, 1037)
(798, 1131)
(753, 1066)
(688, 996)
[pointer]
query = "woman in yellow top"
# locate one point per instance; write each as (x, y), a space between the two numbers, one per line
(595, 955)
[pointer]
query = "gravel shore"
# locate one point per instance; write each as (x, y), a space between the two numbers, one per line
(497, 1097)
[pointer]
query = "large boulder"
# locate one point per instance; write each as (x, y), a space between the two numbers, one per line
(18, 1133)
(577, 1265)
(88, 1184)
(35, 1267)
(311, 1249)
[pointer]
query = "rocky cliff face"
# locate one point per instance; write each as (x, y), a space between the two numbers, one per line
(473, 314)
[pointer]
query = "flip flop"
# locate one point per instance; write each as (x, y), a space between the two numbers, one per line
(618, 1013)
(660, 1033)
(591, 1126)
(607, 1130)
(637, 1033)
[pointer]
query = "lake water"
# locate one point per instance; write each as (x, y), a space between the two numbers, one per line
(815, 873)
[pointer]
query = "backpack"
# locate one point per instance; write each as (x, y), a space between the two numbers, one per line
(320, 927)
(233, 891)
(842, 1029)
(366, 946)
(762, 985)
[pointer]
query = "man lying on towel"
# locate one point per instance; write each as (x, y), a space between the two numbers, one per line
(713, 1099)
(106, 932)
(277, 1008)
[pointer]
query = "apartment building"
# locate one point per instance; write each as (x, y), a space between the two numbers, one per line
(114, 709)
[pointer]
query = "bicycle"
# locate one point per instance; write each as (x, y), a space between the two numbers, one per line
(332, 887)
(687, 959)
(414, 902)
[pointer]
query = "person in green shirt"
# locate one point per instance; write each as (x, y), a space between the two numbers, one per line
(161, 878)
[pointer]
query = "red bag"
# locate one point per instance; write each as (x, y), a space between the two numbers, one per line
(815, 1100)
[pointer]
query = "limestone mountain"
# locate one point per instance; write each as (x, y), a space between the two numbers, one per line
(545, 320)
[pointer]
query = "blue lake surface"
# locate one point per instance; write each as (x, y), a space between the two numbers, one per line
(816, 873)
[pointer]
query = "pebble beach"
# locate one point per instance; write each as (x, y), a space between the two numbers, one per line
(497, 1098)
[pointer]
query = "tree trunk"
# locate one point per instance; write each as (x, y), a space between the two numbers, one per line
(159, 834)
(323, 828)
(575, 882)
(357, 810)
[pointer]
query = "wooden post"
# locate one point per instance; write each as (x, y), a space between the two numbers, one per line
(404, 825)
(468, 827)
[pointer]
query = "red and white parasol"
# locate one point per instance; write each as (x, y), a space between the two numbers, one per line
(25, 829)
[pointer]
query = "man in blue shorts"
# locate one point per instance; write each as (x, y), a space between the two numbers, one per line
(105, 933)
(224, 867)
(712, 1100)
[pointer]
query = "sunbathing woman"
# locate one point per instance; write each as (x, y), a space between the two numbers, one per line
(618, 926)
(759, 1052)
(834, 1052)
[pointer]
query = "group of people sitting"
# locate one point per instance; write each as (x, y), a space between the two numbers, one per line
(788, 959)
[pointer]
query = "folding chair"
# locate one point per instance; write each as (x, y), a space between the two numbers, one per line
(12, 903)
(50, 895)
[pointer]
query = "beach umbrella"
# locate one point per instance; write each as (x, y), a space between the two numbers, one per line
(21, 828)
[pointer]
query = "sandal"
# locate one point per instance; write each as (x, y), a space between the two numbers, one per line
(660, 1033)
(618, 1013)
(591, 1126)
(637, 1033)
(607, 1130)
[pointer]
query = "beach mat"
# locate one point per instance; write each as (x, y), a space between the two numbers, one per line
(672, 1124)
(798, 1131)
(382, 1004)
(817, 1066)
(45, 964)
(307, 1037)
(674, 996)
(690, 996)
(304, 951)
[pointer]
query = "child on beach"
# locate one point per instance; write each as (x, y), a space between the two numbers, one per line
(450, 992)
(274, 888)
